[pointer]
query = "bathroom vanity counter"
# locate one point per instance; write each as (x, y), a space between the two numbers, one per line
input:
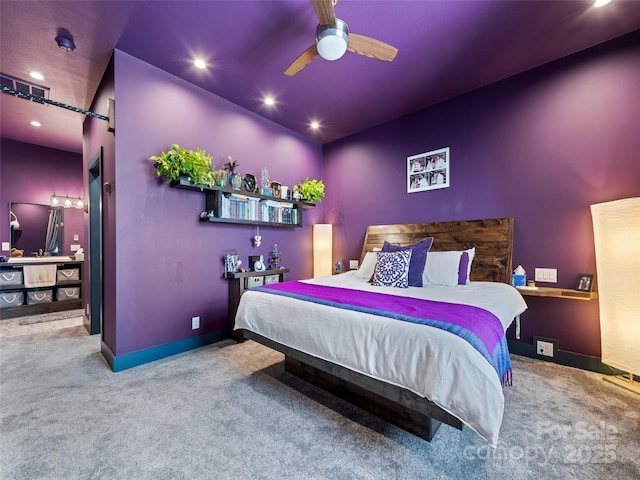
(36, 285)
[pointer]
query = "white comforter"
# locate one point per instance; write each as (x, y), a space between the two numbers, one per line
(430, 362)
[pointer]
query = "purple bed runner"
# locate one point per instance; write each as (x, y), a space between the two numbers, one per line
(479, 327)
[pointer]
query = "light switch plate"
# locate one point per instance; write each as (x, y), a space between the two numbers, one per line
(75, 248)
(549, 275)
(353, 264)
(5, 246)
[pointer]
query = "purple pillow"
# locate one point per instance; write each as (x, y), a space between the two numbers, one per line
(463, 268)
(418, 258)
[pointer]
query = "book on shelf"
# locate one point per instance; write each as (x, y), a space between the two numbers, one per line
(243, 207)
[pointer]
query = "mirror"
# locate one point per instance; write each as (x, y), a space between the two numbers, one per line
(31, 234)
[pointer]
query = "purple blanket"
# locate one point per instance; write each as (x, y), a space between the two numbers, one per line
(481, 328)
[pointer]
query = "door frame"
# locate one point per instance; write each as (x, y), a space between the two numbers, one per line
(94, 307)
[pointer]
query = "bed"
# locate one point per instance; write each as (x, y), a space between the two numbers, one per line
(365, 342)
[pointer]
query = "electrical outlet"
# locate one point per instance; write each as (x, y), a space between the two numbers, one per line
(549, 275)
(544, 348)
(353, 264)
(195, 323)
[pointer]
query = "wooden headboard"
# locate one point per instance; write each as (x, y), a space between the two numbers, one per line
(492, 238)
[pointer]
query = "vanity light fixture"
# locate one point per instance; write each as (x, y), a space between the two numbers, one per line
(67, 201)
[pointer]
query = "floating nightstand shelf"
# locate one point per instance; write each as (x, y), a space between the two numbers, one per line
(557, 293)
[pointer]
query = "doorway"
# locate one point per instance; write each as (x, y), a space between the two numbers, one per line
(95, 243)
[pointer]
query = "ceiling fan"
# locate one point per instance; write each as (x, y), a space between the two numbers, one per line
(333, 40)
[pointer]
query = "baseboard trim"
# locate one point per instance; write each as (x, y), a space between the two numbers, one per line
(569, 359)
(134, 359)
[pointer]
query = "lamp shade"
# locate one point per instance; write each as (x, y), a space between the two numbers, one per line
(616, 229)
(322, 250)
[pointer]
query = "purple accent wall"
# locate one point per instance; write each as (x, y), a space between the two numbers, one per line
(540, 147)
(167, 267)
(31, 173)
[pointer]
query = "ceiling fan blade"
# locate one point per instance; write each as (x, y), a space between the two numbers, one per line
(370, 47)
(302, 61)
(324, 11)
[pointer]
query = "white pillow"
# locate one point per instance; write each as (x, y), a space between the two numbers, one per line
(443, 268)
(367, 267)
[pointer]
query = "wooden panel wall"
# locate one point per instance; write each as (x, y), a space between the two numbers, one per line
(492, 238)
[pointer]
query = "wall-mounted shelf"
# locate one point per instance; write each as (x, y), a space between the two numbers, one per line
(558, 293)
(226, 205)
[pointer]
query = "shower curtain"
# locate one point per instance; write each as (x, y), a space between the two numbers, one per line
(52, 244)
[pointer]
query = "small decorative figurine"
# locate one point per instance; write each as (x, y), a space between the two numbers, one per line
(274, 259)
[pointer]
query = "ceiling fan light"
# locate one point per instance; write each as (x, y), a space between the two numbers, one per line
(332, 41)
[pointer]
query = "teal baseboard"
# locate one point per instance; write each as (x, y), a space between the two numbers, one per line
(569, 359)
(130, 360)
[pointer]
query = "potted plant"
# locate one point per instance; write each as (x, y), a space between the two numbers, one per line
(180, 162)
(235, 180)
(310, 190)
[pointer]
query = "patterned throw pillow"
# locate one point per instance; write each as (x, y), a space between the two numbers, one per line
(392, 269)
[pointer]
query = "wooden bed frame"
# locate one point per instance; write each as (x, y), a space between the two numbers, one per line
(493, 240)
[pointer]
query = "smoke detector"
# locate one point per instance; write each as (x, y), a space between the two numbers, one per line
(65, 43)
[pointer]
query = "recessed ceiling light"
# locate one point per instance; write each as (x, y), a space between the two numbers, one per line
(601, 3)
(36, 123)
(269, 100)
(315, 125)
(36, 75)
(198, 62)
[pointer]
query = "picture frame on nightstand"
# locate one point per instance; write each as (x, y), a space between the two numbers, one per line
(584, 282)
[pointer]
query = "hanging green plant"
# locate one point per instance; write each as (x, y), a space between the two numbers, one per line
(178, 162)
(310, 190)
